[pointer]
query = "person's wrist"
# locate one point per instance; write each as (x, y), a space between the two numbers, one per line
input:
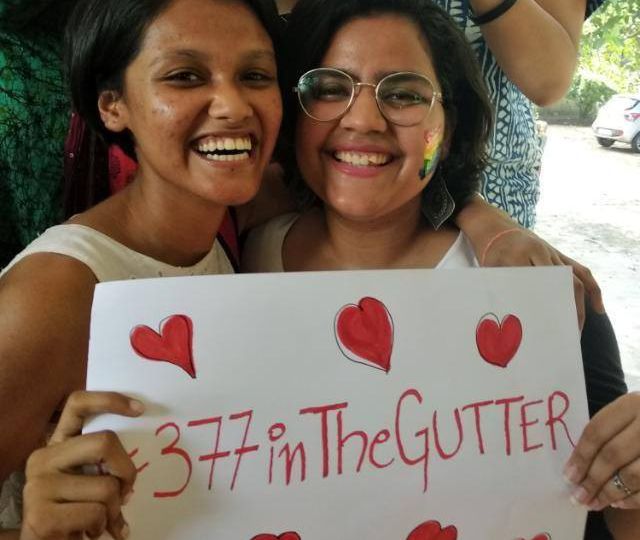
(486, 11)
(492, 241)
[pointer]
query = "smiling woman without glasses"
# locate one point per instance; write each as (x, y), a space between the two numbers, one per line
(190, 86)
(388, 109)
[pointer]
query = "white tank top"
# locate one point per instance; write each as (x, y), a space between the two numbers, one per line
(111, 261)
(263, 248)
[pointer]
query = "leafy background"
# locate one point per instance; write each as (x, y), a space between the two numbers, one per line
(609, 57)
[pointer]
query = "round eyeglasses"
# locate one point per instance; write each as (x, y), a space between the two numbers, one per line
(404, 98)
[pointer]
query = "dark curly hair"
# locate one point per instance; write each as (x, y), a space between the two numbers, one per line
(104, 36)
(311, 27)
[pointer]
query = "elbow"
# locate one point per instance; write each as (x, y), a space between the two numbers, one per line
(550, 91)
(546, 99)
(551, 87)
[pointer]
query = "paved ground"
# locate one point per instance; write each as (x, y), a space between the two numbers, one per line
(590, 210)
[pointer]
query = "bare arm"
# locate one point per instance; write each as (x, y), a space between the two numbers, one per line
(623, 524)
(536, 44)
(499, 241)
(45, 305)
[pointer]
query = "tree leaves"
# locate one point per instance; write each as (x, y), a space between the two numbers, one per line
(610, 48)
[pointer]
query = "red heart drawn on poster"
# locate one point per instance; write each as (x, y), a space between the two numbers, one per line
(284, 536)
(432, 530)
(542, 536)
(498, 342)
(364, 333)
(172, 344)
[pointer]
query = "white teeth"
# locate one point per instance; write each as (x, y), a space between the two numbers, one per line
(224, 143)
(362, 158)
(227, 157)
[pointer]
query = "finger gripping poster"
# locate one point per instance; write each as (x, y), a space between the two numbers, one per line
(408, 405)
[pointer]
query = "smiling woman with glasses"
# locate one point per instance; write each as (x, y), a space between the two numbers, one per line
(390, 119)
(404, 98)
(408, 94)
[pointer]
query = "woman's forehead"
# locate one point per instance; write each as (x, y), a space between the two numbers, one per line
(210, 24)
(381, 42)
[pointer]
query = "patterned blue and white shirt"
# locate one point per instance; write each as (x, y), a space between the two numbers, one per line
(511, 179)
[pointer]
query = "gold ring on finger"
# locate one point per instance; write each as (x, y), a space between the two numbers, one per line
(620, 485)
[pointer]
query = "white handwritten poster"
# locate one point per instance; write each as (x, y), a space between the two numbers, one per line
(408, 405)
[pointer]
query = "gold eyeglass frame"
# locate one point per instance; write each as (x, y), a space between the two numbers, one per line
(355, 92)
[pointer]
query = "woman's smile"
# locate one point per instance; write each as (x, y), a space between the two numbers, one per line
(360, 161)
(237, 149)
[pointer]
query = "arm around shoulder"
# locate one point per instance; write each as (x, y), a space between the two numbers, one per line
(45, 306)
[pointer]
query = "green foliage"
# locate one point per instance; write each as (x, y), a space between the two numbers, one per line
(609, 56)
(588, 95)
(610, 48)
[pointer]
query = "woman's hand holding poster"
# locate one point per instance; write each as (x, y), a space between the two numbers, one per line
(408, 405)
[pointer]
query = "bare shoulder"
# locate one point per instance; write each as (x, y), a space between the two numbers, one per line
(45, 306)
(41, 278)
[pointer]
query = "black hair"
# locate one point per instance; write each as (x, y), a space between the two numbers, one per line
(313, 24)
(104, 36)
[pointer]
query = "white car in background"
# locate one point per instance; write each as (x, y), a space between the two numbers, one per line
(619, 120)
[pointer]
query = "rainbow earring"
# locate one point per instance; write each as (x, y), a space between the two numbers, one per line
(431, 155)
